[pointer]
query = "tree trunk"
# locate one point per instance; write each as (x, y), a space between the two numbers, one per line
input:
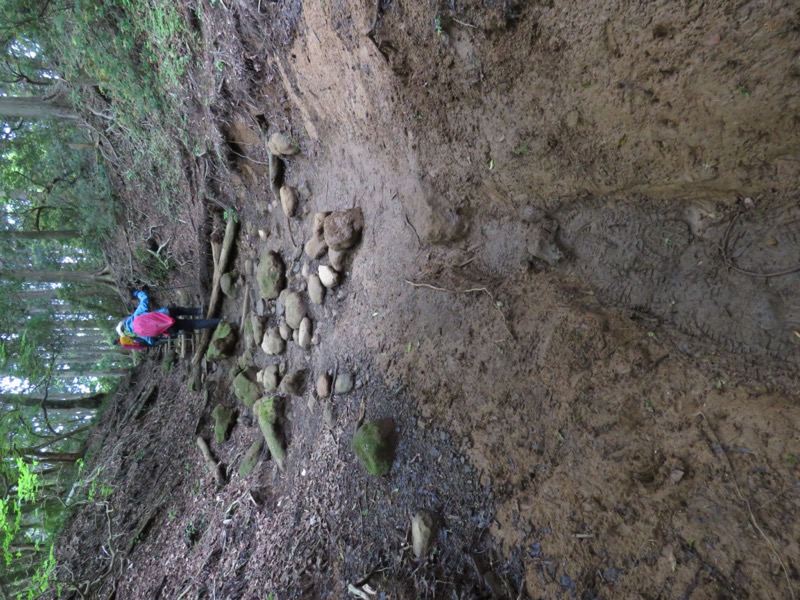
(33, 450)
(53, 234)
(33, 108)
(51, 457)
(55, 403)
(102, 278)
(107, 373)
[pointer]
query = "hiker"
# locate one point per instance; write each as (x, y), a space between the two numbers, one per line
(148, 328)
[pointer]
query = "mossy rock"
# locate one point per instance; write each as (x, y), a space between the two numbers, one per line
(227, 283)
(267, 415)
(251, 457)
(168, 362)
(249, 340)
(271, 275)
(223, 417)
(246, 390)
(375, 444)
(270, 377)
(245, 359)
(222, 342)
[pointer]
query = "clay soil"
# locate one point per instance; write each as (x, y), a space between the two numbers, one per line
(576, 294)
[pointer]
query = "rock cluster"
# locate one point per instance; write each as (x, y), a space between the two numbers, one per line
(292, 291)
(332, 234)
(288, 293)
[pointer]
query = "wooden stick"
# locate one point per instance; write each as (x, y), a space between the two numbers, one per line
(213, 466)
(216, 292)
(245, 306)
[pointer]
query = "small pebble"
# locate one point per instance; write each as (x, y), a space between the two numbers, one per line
(344, 383)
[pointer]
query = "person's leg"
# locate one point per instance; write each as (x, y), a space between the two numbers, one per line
(185, 311)
(192, 324)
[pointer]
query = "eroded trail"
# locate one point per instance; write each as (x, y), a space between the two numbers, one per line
(728, 277)
(576, 293)
(580, 262)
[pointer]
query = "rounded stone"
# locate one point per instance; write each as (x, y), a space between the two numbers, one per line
(315, 247)
(344, 383)
(304, 334)
(336, 258)
(282, 145)
(318, 224)
(343, 228)
(295, 309)
(316, 291)
(328, 276)
(323, 386)
(288, 200)
(273, 344)
(271, 275)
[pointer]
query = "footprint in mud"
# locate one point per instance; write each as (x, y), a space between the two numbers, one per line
(734, 281)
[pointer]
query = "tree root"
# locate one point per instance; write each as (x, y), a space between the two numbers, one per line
(213, 465)
(468, 291)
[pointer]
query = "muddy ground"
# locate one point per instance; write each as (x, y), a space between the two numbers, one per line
(576, 294)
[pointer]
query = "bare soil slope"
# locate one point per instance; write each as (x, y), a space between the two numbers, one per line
(576, 294)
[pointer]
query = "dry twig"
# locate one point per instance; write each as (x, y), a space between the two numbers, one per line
(468, 291)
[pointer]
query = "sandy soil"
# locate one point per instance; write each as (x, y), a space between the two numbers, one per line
(576, 294)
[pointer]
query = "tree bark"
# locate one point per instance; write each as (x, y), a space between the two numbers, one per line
(53, 234)
(34, 108)
(100, 278)
(53, 457)
(56, 403)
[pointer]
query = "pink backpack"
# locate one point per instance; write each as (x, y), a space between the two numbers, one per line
(152, 324)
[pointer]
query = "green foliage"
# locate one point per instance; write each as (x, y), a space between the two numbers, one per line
(11, 507)
(156, 267)
(121, 63)
(41, 580)
(437, 25)
(229, 214)
(137, 52)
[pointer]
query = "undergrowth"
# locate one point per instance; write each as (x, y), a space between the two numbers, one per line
(134, 55)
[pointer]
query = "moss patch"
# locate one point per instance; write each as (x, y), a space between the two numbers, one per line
(222, 342)
(374, 444)
(246, 391)
(250, 459)
(223, 416)
(168, 362)
(268, 422)
(271, 275)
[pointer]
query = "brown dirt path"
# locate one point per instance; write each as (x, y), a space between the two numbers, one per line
(565, 203)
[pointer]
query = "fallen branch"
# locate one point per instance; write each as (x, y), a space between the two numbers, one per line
(219, 269)
(213, 465)
(357, 592)
(245, 306)
(216, 292)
